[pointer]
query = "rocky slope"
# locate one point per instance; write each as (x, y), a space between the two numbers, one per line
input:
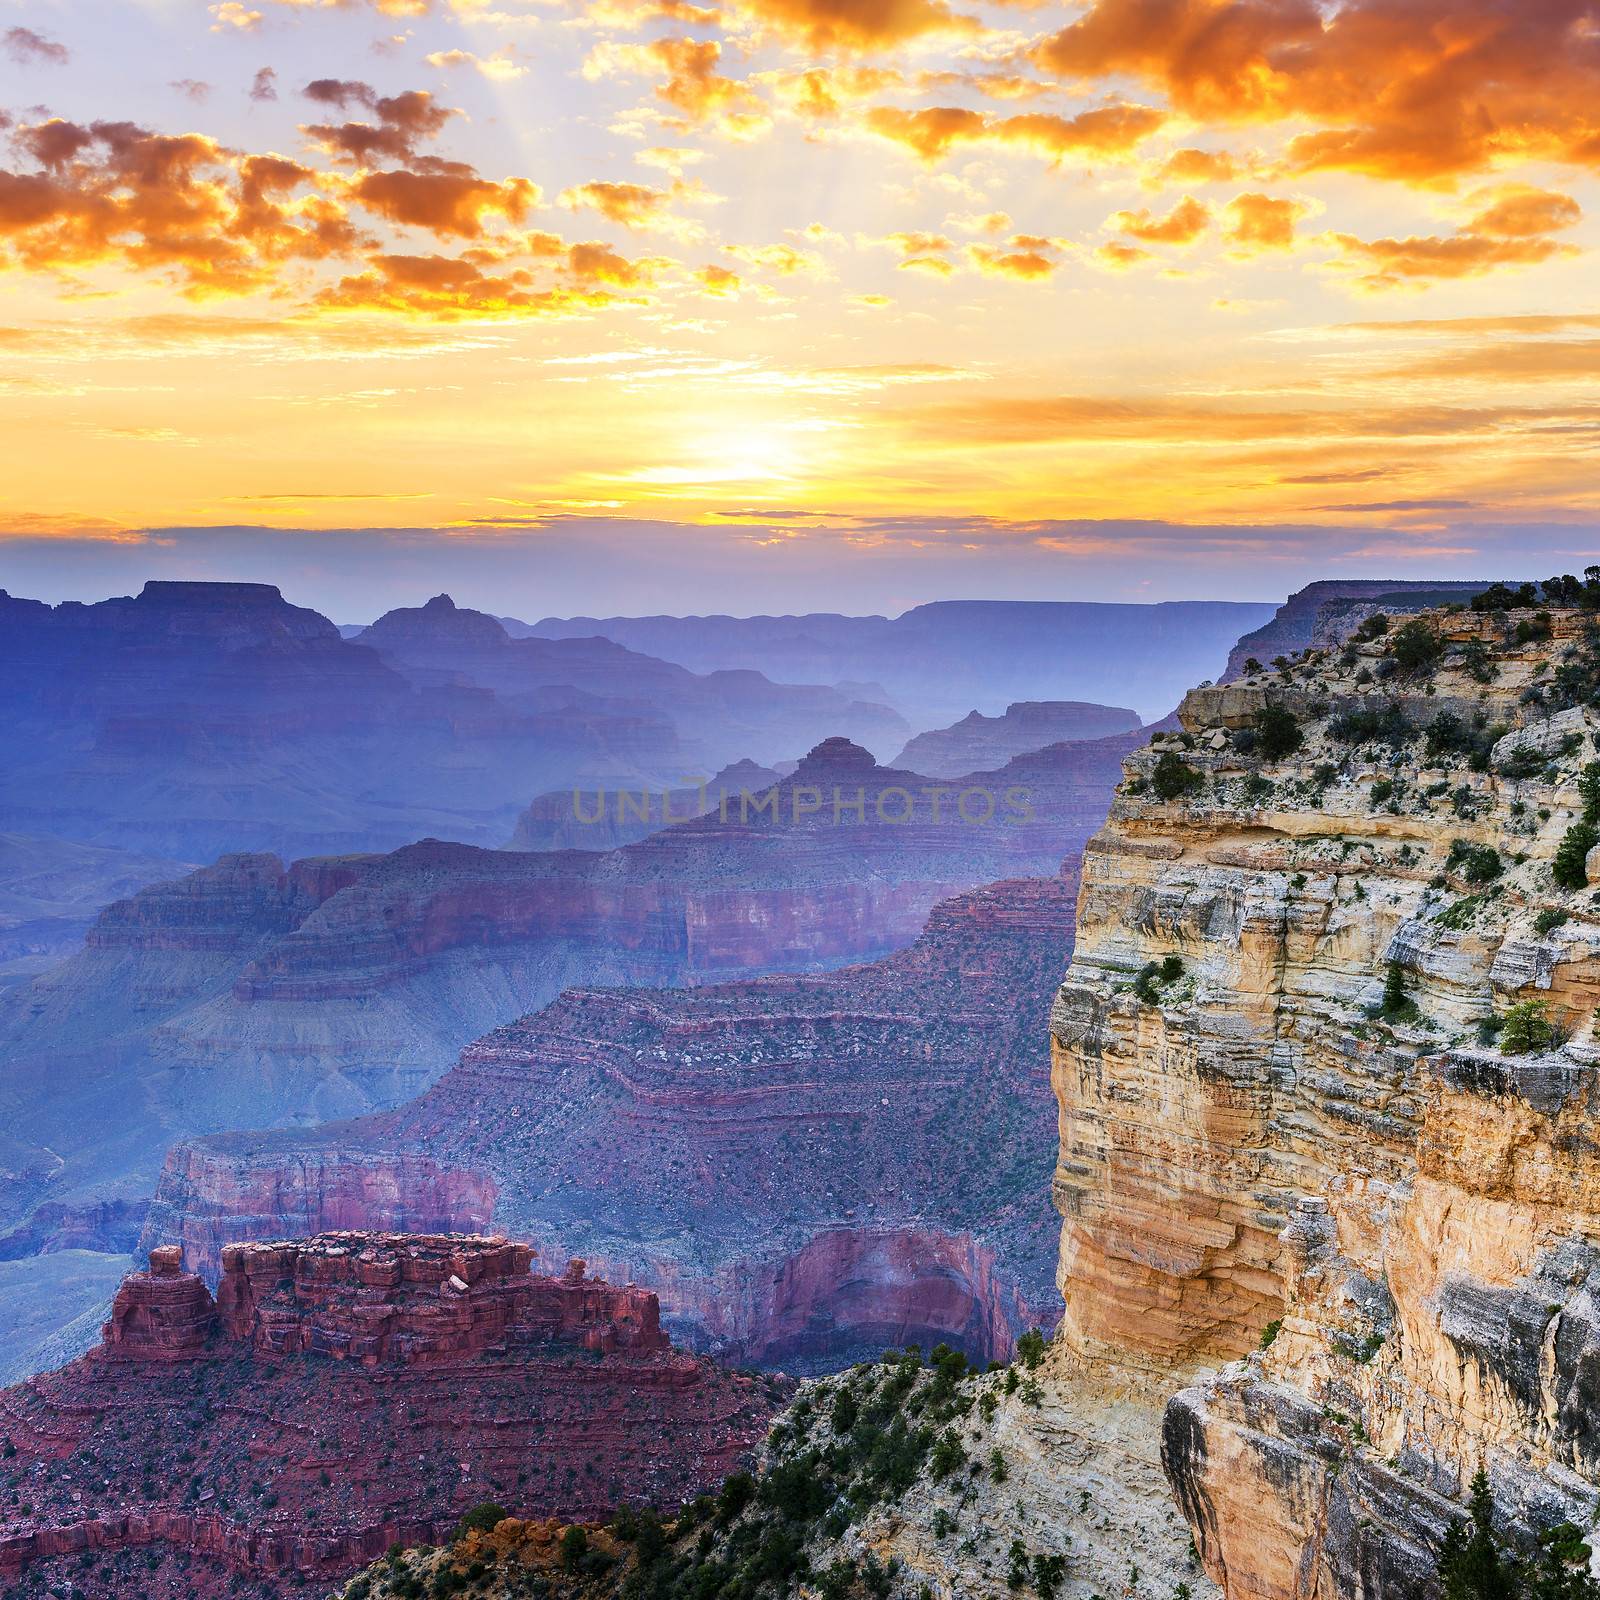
(253, 994)
(198, 718)
(892, 1479)
(337, 1395)
(977, 741)
(803, 1168)
(1285, 1106)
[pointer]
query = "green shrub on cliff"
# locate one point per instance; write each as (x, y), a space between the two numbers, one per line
(1277, 733)
(1568, 867)
(1524, 1029)
(1173, 777)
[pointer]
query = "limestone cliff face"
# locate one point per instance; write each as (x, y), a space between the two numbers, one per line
(1282, 1099)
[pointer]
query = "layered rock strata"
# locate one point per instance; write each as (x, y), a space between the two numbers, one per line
(339, 1394)
(254, 994)
(1287, 1104)
(806, 1169)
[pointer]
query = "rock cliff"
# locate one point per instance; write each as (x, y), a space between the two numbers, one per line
(339, 1394)
(1325, 1059)
(805, 1169)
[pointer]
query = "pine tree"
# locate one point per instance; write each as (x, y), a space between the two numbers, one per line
(1394, 990)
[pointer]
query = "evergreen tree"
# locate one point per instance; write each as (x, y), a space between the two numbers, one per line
(1568, 868)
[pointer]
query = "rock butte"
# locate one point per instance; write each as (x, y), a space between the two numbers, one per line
(340, 1393)
(805, 1169)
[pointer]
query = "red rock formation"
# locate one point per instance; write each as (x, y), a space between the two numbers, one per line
(804, 1168)
(339, 1394)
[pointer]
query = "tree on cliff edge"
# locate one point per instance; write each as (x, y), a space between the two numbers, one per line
(1476, 1564)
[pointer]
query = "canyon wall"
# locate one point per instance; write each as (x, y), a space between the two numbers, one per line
(1293, 1109)
(339, 1394)
(804, 1168)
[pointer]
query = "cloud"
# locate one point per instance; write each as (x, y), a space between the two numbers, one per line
(1414, 90)
(26, 47)
(230, 14)
(1512, 229)
(1191, 166)
(1183, 224)
(1025, 257)
(192, 89)
(693, 86)
(1257, 223)
(856, 25)
(264, 86)
(444, 203)
(934, 131)
(501, 67)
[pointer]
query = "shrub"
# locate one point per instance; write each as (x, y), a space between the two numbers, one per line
(1031, 1345)
(1416, 647)
(1568, 867)
(1548, 920)
(1477, 863)
(1524, 1029)
(1173, 777)
(1373, 628)
(1271, 1332)
(1388, 726)
(1277, 733)
(484, 1517)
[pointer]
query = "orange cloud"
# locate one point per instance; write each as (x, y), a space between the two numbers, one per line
(856, 25)
(1512, 229)
(1408, 89)
(719, 282)
(1196, 166)
(1182, 225)
(444, 203)
(693, 87)
(631, 205)
(1260, 222)
(935, 130)
(1026, 257)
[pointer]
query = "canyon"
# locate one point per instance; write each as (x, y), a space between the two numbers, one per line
(978, 741)
(340, 1394)
(804, 1168)
(1326, 1072)
(251, 993)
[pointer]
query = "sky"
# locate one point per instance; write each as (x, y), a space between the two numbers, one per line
(757, 305)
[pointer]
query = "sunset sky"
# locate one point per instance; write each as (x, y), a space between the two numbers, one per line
(660, 304)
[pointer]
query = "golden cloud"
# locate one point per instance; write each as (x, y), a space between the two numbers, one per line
(1183, 224)
(934, 131)
(1414, 90)
(1257, 223)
